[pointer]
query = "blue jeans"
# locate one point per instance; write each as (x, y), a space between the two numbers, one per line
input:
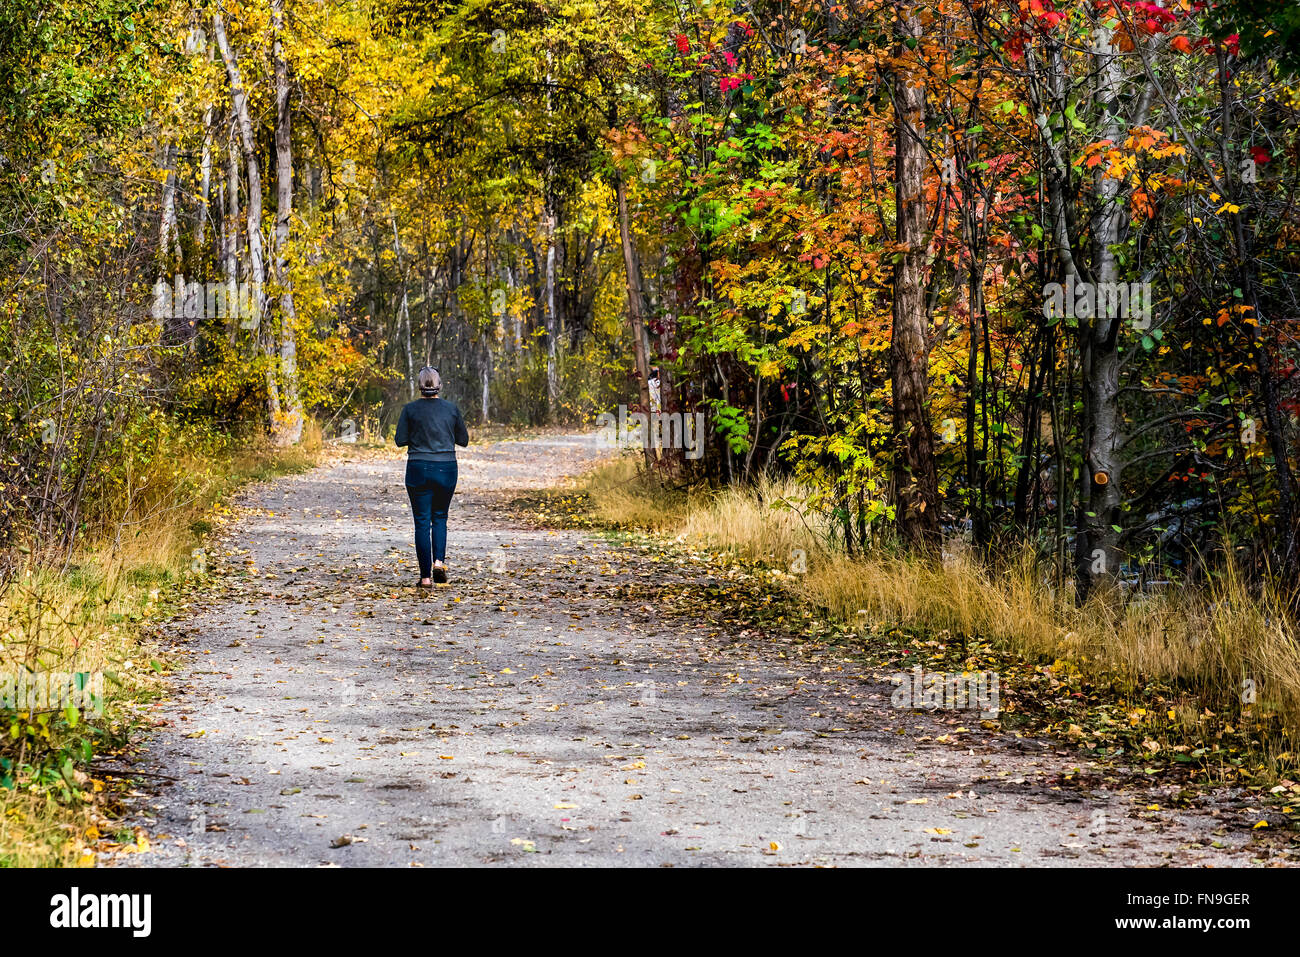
(430, 486)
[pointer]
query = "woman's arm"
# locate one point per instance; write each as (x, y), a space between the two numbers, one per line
(401, 438)
(462, 433)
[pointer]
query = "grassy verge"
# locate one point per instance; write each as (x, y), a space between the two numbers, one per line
(90, 614)
(1204, 681)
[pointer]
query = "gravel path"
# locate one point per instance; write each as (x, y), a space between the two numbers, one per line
(541, 710)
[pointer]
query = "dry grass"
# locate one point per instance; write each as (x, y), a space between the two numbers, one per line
(1203, 641)
(768, 522)
(87, 612)
(1208, 642)
(1209, 639)
(621, 497)
(74, 613)
(763, 523)
(36, 832)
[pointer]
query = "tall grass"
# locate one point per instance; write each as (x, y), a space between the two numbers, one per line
(622, 498)
(762, 522)
(87, 610)
(1207, 641)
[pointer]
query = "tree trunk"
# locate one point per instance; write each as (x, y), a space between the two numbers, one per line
(230, 221)
(634, 306)
(549, 225)
(1100, 558)
(256, 257)
(405, 309)
(916, 479)
(230, 227)
(289, 430)
(205, 179)
(552, 332)
(169, 240)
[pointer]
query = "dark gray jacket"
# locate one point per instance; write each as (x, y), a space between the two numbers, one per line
(431, 429)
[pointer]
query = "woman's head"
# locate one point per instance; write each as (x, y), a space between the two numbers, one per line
(429, 381)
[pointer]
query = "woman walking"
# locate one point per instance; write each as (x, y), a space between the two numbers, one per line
(431, 428)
